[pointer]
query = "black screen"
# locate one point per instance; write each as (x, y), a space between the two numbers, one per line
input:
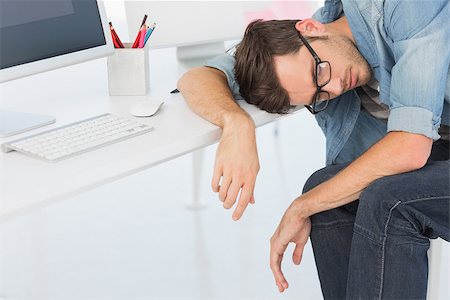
(32, 30)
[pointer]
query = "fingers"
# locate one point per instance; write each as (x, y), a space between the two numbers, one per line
(224, 186)
(245, 198)
(229, 190)
(215, 183)
(298, 253)
(228, 182)
(231, 195)
(276, 257)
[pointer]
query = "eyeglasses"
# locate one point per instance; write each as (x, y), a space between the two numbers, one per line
(322, 77)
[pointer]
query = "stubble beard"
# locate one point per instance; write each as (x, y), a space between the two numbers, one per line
(353, 56)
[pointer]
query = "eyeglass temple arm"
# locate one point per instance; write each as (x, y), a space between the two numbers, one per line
(305, 42)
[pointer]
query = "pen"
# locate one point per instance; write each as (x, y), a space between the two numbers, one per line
(149, 32)
(141, 40)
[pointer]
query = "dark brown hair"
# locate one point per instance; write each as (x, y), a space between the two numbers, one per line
(254, 67)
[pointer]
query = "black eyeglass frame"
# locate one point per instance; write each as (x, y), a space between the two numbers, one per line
(312, 108)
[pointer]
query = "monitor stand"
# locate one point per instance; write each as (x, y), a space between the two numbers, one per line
(198, 55)
(12, 122)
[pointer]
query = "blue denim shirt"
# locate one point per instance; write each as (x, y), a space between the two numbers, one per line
(407, 45)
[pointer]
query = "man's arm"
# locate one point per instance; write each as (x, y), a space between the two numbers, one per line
(207, 93)
(398, 152)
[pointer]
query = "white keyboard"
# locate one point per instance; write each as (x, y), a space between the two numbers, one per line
(79, 137)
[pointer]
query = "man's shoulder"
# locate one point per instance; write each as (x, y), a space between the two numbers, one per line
(404, 19)
(329, 12)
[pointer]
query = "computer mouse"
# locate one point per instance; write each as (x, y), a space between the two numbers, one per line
(145, 108)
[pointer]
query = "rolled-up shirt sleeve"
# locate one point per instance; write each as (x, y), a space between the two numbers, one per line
(419, 76)
(225, 63)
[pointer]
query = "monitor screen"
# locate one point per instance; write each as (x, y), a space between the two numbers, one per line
(42, 35)
(33, 30)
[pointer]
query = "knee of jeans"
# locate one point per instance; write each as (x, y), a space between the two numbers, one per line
(314, 180)
(320, 176)
(379, 196)
(378, 205)
(333, 218)
(383, 210)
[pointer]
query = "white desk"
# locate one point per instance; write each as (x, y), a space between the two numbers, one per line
(78, 92)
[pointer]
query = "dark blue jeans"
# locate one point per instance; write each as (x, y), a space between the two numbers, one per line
(376, 247)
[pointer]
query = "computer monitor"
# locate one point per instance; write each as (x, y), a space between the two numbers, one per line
(41, 35)
(199, 28)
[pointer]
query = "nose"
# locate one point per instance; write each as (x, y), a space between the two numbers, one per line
(335, 87)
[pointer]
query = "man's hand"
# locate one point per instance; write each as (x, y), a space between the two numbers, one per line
(293, 228)
(236, 166)
(207, 93)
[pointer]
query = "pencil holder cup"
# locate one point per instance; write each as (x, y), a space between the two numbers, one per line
(128, 71)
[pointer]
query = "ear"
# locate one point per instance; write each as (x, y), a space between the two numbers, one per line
(310, 28)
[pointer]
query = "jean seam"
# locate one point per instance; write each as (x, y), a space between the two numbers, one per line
(329, 225)
(425, 199)
(366, 234)
(383, 248)
(413, 243)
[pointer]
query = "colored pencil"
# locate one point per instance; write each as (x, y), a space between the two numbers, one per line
(138, 38)
(149, 33)
(115, 37)
(144, 20)
(142, 37)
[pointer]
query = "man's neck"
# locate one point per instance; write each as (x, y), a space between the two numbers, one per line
(341, 26)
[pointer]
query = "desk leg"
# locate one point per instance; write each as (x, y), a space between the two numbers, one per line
(197, 166)
(276, 128)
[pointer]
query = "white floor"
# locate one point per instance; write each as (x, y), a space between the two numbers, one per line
(136, 238)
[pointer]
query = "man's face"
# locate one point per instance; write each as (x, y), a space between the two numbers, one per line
(296, 71)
